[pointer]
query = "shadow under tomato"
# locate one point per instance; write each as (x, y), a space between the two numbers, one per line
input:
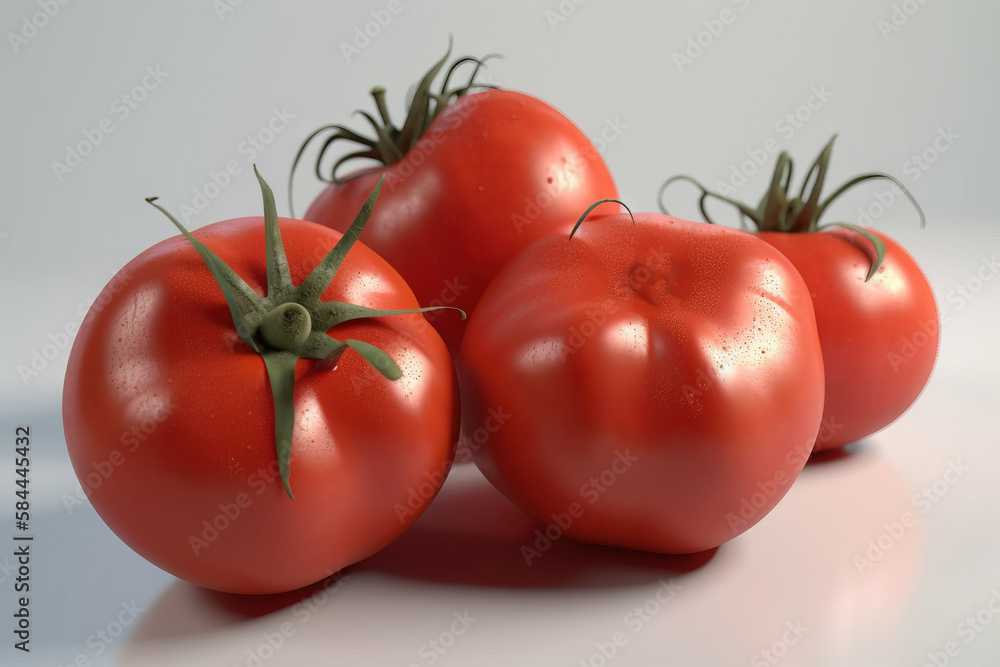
(846, 453)
(186, 610)
(471, 535)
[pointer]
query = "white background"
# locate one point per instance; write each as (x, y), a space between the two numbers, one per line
(889, 93)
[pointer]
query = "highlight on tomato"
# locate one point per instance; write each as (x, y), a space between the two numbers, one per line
(663, 381)
(266, 371)
(473, 175)
(875, 311)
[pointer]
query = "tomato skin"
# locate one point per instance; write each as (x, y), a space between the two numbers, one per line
(880, 337)
(663, 382)
(495, 171)
(162, 397)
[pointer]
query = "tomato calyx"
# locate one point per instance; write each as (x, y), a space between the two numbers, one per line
(390, 143)
(780, 212)
(290, 322)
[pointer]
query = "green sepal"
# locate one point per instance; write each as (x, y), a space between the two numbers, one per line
(302, 335)
(745, 211)
(874, 240)
(777, 211)
(332, 313)
(595, 205)
(281, 374)
(774, 204)
(320, 277)
(381, 361)
(420, 107)
(806, 210)
(234, 290)
(391, 143)
(279, 277)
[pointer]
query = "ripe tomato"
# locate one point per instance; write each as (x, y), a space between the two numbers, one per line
(879, 337)
(662, 382)
(467, 186)
(875, 311)
(172, 428)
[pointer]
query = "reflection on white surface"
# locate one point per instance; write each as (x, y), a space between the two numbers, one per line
(455, 590)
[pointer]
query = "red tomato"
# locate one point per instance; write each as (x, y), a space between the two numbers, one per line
(875, 311)
(661, 382)
(879, 337)
(170, 422)
(494, 171)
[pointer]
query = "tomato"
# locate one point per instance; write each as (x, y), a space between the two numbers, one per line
(660, 383)
(491, 172)
(174, 424)
(879, 337)
(875, 311)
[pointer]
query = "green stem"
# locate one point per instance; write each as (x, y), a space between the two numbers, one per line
(778, 212)
(290, 322)
(286, 327)
(390, 143)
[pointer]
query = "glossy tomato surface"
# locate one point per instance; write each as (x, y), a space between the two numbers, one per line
(495, 171)
(879, 338)
(169, 418)
(655, 385)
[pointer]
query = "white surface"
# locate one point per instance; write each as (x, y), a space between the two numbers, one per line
(888, 97)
